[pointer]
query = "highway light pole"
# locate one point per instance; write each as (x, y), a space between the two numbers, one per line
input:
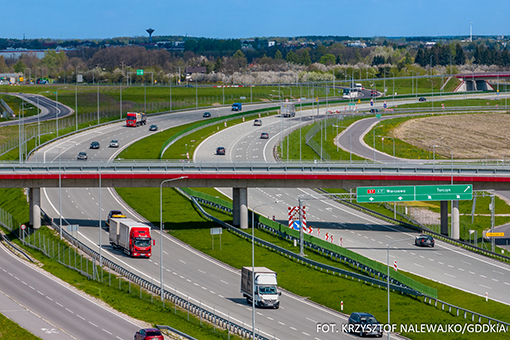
(76, 96)
(253, 264)
(382, 139)
(388, 277)
(162, 289)
(56, 104)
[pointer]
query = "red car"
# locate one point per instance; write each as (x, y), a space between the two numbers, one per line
(149, 334)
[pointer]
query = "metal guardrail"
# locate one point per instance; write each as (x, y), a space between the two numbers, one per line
(395, 285)
(181, 302)
(427, 299)
(424, 167)
(18, 249)
(176, 331)
(424, 230)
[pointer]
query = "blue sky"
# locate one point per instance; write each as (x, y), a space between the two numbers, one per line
(88, 19)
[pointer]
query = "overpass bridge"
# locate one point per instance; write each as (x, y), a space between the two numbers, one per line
(479, 81)
(241, 176)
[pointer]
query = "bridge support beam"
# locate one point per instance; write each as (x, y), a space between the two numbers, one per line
(444, 218)
(34, 196)
(240, 207)
(455, 221)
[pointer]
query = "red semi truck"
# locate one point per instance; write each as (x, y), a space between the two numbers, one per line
(134, 238)
(136, 118)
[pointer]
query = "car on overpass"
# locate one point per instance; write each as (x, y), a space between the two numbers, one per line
(206, 115)
(422, 99)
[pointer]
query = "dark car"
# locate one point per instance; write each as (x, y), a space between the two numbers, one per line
(82, 156)
(220, 150)
(374, 110)
(264, 135)
(424, 241)
(206, 115)
(94, 145)
(149, 334)
(422, 99)
(153, 128)
(364, 324)
(373, 93)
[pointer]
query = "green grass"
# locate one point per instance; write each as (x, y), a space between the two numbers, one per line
(12, 331)
(459, 103)
(126, 300)
(186, 224)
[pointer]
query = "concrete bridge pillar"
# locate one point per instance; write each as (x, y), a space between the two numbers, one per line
(34, 195)
(444, 218)
(455, 221)
(240, 207)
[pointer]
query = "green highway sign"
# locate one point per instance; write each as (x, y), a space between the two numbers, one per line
(415, 193)
(139, 72)
(444, 192)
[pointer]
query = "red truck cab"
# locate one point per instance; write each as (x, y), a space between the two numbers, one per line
(140, 242)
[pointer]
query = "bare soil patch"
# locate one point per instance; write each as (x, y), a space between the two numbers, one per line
(470, 136)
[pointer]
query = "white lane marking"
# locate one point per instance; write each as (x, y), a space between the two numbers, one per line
(49, 298)
(70, 311)
(483, 276)
(418, 265)
(59, 304)
(182, 261)
(81, 317)
(485, 286)
(200, 270)
(449, 275)
(93, 324)
(312, 320)
(281, 323)
(225, 282)
(293, 328)
(104, 330)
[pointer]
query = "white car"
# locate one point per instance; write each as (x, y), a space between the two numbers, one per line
(114, 143)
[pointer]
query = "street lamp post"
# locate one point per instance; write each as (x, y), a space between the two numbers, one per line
(388, 276)
(375, 127)
(393, 143)
(56, 104)
(76, 97)
(434, 150)
(161, 232)
(253, 264)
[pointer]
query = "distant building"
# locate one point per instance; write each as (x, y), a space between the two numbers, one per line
(271, 43)
(430, 44)
(358, 44)
(190, 70)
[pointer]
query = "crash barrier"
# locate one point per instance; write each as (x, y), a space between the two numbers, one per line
(206, 123)
(14, 246)
(185, 304)
(425, 230)
(393, 283)
(263, 222)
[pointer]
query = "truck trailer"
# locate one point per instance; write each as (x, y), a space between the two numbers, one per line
(266, 290)
(134, 238)
(136, 118)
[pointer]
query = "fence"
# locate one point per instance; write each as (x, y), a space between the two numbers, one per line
(265, 223)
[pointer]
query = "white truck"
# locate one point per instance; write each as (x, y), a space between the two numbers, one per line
(266, 290)
(134, 238)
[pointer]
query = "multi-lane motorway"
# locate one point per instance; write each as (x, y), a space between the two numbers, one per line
(52, 309)
(215, 285)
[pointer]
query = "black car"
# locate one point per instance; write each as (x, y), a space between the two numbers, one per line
(264, 135)
(94, 145)
(374, 110)
(82, 156)
(373, 93)
(424, 241)
(206, 115)
(220, 150)
(364, 324)
(153, 128)
(422, 99)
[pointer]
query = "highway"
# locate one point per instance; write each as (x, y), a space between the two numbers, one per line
(49, 109)
(191, 273)
(187, 272)
(366, 235)
(52, 309)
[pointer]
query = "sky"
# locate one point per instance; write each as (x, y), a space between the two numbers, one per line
(98, 19)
